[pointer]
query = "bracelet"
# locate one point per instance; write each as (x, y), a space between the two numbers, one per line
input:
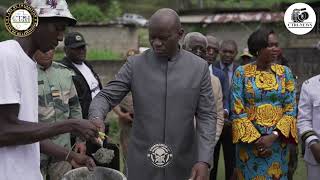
(276, 133)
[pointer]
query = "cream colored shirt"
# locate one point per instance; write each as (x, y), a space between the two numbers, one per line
(217, 93)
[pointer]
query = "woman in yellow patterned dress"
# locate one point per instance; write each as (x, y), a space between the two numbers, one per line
(263, 114)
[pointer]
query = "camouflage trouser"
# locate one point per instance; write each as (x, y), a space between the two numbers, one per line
(56, 170)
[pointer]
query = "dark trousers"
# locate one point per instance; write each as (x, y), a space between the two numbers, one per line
(228, 153)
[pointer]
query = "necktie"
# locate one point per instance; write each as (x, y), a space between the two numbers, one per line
(226, 74)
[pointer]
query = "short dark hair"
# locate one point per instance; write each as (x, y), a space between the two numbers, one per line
(258, 40)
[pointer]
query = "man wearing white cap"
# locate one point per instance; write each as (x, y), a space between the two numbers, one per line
(246, 57)
(19, 127)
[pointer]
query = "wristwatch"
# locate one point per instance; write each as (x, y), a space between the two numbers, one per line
(275, 133)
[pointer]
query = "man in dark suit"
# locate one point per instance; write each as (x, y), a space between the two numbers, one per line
(228, 51)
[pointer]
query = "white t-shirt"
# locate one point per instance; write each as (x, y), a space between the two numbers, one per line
(18, 78)
(89, 76)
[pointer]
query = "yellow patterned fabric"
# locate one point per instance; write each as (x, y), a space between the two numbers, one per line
(263, 98)
(261, 102)
(266, 81)
(249, 88)
(251, 111)
(278, 69)
(250, 70)
(238, 106)
(243, 129)
(244, 157)
(275, 170)
(288, 126)
(290, 85)
(268, 115)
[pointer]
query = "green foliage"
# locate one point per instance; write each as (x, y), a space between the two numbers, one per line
(103, 55)
(114, 10)
(114, 129)
(85, 12)
(4, 35)
(143, 37)
(94, 55)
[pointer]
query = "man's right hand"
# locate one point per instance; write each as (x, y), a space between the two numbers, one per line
(85, 129)
(315, 149)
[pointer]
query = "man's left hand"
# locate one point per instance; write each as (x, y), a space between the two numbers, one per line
(80, 160)
(200, 171)
(101, 127)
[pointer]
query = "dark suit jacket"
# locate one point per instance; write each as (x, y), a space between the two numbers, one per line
(224, 84)
(217, 72)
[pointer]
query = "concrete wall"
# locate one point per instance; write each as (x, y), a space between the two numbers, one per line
(112, 37)
(304, 63)
(106, 69)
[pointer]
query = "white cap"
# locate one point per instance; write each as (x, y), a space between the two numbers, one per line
(52, 8)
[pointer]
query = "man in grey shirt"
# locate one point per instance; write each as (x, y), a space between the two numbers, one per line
(169, 87)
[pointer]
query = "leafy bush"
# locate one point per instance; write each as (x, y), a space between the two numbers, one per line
(143, 37)
(114, 10)
(85, 12)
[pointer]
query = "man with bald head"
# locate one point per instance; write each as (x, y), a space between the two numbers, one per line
(169, 87)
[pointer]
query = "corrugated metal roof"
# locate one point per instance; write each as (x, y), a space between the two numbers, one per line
(193, 18)
(264, 17)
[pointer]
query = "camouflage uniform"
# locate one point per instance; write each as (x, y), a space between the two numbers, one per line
(58, 101)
